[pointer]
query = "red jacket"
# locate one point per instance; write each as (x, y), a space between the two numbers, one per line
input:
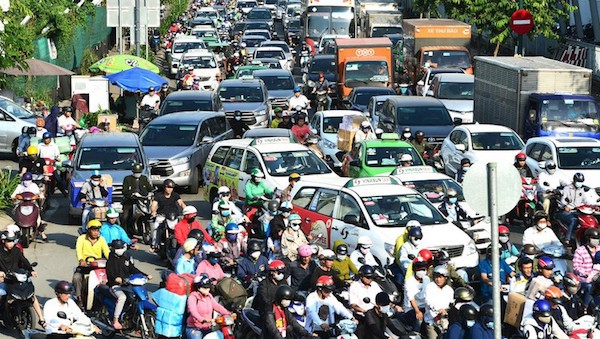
(183, 228)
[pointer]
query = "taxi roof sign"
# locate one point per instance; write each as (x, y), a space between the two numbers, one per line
(271, 140)
(390, 136)
(413, 170)
(371, 181)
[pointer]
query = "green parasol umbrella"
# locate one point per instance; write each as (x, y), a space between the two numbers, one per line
(117, 63)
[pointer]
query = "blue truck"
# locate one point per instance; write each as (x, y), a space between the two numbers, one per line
(535, 96)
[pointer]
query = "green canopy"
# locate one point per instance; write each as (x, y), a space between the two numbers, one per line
(122, 62)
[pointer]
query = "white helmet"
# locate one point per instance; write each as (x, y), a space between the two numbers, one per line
(365, 124)
(413, 223)
(406, 157)
(189, 244)
(223, 189)
(364, 240)
(189, 210)
(12, 228)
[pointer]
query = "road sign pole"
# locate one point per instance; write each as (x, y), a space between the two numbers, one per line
(493, 213)
(520, 37)
(137, 27)
(120, 32)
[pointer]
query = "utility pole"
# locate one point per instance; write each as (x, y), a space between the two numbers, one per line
(137, 27)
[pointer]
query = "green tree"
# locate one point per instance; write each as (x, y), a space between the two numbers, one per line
(427, 8)
(494, 19)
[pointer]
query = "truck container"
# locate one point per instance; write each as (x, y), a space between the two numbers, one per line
(535, 96)
(363, 62)
(377, 24)
(441, 43)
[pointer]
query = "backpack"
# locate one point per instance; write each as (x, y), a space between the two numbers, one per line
(233, 294)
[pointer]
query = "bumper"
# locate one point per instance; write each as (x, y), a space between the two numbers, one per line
(163, 170)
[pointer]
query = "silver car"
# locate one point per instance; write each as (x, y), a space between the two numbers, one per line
(12, 119)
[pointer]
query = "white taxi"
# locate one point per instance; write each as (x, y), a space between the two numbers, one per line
(433, 186)
(379, 208)
(230, 163)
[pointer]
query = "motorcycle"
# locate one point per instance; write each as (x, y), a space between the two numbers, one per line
(18, 302)
(586, 218)
(321, 100)
(222, 327)
(155, 40)
(27, 214)
(304, 57)
(147, 114)
(142, 223)
(528, 204)
(96, 275)
(313, 144)
(166, 242)
(99, 206)
(139, 314)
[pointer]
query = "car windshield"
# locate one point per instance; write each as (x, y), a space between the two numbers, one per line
(259, 15)
(362, 98)
(390, 156)
(199, 62)
(329, 20)
(182, 47)
(15, 109)
(331, 124)
(109, 158)
(579, 157)
(569, 112)
(277, 54)
(280, 82)
(496, 141)
(263, 33)
(205, 34)
(424, 116)
(322, 65)
(253, 42)
(435, 189)
(397, 210)
(172, 106)
(363, 73)
(245, 73)
(379, 32)
(247, 4)
(282, 164)
(456, 90)
(294, 24)
(270, 63)
(241, 94)
(169, 135)
(446, 59)
(284, 47)
(210, 14)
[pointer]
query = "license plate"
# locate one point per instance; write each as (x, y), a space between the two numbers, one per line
(155, 177)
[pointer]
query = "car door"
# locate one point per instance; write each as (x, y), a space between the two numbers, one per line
(251, 161)
(316, 206)
(348, 221)
(6, 124)
(232, 175)
(353, 170)
(452, 156)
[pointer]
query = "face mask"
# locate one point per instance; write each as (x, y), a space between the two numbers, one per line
(257, 180)
(26, 183)
(285, 214)
(386, 309)
(295, 227)
(364, 251)
(551, 171)
(594, 242)
(453, 200)
(226, 213)
(213, 261)
(255, 255)
(137, 175)
(541, 226)
(579, 184)
(341, 257)
(238, 118)
(232, 237)
(530, 256)
(465, 169)
(402, 90)
(120, 252)
(490, 325)
(503, 239)
(285, 303)
(407, 135)
(414, 240)
(545, 320)
(191, 219)
(95, 182)
(470, 323)
(279, 276)
(421, 274)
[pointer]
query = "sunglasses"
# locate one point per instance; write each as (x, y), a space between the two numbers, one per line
(169, 186)
(296, 224)
(225, 194)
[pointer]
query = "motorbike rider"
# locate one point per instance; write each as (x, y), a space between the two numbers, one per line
(39, 127)
(65, 122)
(342, 264)
(265, 294)
(88, 245)
(414, 293)
(200, 254)
(238, 126)
(364, 287)
(164, 92)
(583, 261)
(484, 326)
(11, 259)
(286, 193)
(465, 163)
(409, 251)
(220, 217)
(406, 160)
(521, 165)
(278, 321)
(301, 130)
(278, 117)
(188, 262)
(189, 222)
(299, 99)
(24, 141)
(32, 163)
(201, 305)
(362, 254)
(364, 132)
(573, 196)
(322, 307)
(256, 189)
(132, 184)
(485, 267)
(61, 328)
(210, 266)
(232, 245)
(420, 144)
(456, 277)
(51, 119)
(26, 185)
(224, 195)
(119, 267)
(91, 190)
(508, 251)
(545, 275)
(282, 219)
(165, 202)
(292, 238)
(438, 297)
(450, 207)
(326, 258)
(323, 85)
(540, 324)
(111, 230)
(460, 329)
(286, 121)
(188, 78)
(462, 296)
(49, 150)
(301, 270)
(554, 295)
(540, 235)
(405, 90)
(406, 134)
(150, 100)
(571, 299)
(253, 262)
(548, 181)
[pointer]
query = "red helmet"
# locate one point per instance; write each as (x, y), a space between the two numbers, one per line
(325, 281)
(426, 255)
(503, 230)
(276, 265)
(521, 156)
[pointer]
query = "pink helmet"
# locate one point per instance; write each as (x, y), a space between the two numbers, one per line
(305, 250)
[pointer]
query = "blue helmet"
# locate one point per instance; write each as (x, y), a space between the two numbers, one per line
(416, 232)
(293, 217)
(545, 262)
(46, 135)
(96, 174)
(542, 308)
(27, 176)
(296, 89)
(232, 228)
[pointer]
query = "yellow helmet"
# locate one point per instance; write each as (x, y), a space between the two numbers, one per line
(294, 176)
(32, 150)
(95, 223)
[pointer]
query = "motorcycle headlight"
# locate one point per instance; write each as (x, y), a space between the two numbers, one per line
(470, 248)
(329, 144)
(21, 277)
(261, 112)
(26, 210)
(179, 161)
(530, 195)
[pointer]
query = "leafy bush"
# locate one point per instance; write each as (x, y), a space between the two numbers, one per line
(8, 184)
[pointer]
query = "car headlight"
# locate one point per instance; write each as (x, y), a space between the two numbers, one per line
(470, 249)
(179, 161)
(329, 144)
(261, 112)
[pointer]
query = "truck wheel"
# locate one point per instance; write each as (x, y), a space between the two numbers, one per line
(194, 182)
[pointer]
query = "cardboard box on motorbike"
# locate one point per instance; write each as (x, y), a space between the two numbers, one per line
(347, 130)
(111, 118)
(107, 181)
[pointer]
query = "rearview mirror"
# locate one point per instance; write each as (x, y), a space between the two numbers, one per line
(542, 164)
(352, 219)
(355, 163)
(67, 164)
(207, 140)
(457, 121)
(314, 130)
(460, 147)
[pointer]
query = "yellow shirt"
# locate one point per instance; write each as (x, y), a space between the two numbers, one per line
(275, 122)
(86, 249)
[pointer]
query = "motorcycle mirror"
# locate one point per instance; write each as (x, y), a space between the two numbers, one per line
(366, 300)
(546, 183)
(61, 315)
(568, 200)
(34, 264)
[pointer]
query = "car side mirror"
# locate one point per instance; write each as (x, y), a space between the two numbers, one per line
(457, 121)
(420, 83)
(207, 140)
(532, 115)
(542, 164)
(460, 147)
(352, 219)
(367, 114)
(67, 164)
(355, 163)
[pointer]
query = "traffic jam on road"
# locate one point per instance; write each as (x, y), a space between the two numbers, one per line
(330, 140)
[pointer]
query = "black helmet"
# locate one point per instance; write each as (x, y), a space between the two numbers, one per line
(592, 233)
(283, 292)
(416, 232)
(137, 168)
(169, 183)
(118, 244)
(382, 299)
(486, 310)
(67, 109)
(24, 129)
(529, 249)
(366, 271)
(31, 130)
(63, 286)
(419, 134)
(465, 161)
(539, 215)
(406, 130)
(196, 234)
(468, 312)
(254, 245)
(237, 114)
(273, 206)
(463, 294)
(342, 249)
(442, 257)
(578, 177)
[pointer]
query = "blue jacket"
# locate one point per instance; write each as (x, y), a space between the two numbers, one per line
(480, 331)
(24, 141)
(112, 232)
(51, 121)
(247, 267)
(186, 266)
(458, 330)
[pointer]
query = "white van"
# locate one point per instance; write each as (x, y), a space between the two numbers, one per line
(180, 46)
(205, 66)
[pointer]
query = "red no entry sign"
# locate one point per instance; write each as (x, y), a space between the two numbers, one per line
(521, 21)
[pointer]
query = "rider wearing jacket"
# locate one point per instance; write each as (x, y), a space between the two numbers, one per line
(63, 303)
(548, 181)
(521, 166)
(265, 294)
(460, 328)
(450, 207)
(573, 196)
(540, 324)
(319, 323)
(134, 183)
(278, 321)
(292, 238)
(253, 262)
(201, 305)
(256, 188)
(342, 264)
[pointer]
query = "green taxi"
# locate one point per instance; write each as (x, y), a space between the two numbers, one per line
(381, 156)
(245, 72)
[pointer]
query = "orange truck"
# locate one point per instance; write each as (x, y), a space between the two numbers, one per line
(438, 43)
(364, 62)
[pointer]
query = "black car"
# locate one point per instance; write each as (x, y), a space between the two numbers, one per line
(359, 97)
(261, 14)
(201, 21)
(183, 101)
